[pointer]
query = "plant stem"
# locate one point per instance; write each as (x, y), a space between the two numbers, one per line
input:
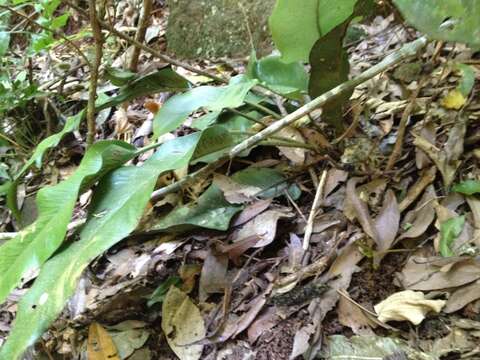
(92, 96)
(404, 52)
(140, 36)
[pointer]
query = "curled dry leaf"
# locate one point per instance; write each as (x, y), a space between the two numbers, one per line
(295, 154)
(407, 305)
(182, 324)
(234, 192)
(264, 226)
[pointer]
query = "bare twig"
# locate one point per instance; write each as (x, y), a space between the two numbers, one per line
(397, 149)
(92, 96)
(142, 29)
(313, 212)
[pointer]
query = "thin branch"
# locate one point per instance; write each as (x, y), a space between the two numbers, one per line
(404, 52)
(313, 212)
(142, 30)
(92, 96)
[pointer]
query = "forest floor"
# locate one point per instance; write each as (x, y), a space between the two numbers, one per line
(304, 265)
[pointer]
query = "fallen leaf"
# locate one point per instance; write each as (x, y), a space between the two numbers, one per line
(300, 341)
(453, 100)
(264, 226)
(422, 215)
(353, 316)
(295, 154)
(100, 345)
(234, 192)
(182, 324)
(386, 225)
(407, 305)
(422, 273)
(449, 231)
(467, 187)
(462, 297)
(213, 278)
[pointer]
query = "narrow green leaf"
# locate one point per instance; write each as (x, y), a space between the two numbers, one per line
(468, 79)
(4, 42)
(36, 243)
(272, 182)
(449, 231)
(210, 211)
(287, 79)
(117, 206)
(467, 187)
(175, 111)
(163, 80)
(119, 77)
(330, 67)
(450, 20)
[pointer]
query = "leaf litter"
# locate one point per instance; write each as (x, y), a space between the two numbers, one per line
(221, 269)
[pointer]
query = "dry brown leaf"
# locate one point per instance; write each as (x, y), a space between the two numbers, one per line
(100, 345)
(386, 225)
(429, 133)
(182, 324)
(407, 305)
(353, 316)
(360, 209)
(462, 297)
(234, 192)
(294, 154)
(251, 211)
(213, 278)
(423, 273)
(334, 177)
(422, 216)
(263, 225)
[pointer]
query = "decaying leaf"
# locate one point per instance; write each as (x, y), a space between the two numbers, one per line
(295, 154)
(386, 225)
(264, 226)
(100, 344)
(182, 324)
(349, 314)
(234, 192)
(462, 297)
(407, 305)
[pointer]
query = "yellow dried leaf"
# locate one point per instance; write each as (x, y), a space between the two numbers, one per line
(454, 100)
(182, 324)
(100, 345)
(407, 305)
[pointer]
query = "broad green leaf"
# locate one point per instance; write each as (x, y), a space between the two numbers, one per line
(449, 231)
(333, 13)
(117, 206)
(468, 79)
(4, 42)
(467, 187)
(36, 243)
(163, 80)
(448, 20)
(295, 28)
(210, 211)
(175, 111)
(272, 182)
(287, 79)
